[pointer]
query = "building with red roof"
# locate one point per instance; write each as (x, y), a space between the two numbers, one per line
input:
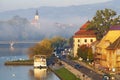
(83, 37)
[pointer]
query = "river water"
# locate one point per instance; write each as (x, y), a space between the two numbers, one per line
(20, 51)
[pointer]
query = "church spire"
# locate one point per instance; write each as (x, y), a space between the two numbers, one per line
(37, 12)
(37, 15)
(35, 21)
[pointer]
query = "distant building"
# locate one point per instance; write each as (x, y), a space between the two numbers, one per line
(83, 37)
(35, 21)
(107, 54)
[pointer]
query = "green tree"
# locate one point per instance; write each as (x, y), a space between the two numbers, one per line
(58, 42)
(82, 52)
(90, 54)
(85, 52)
(70, 41)
(42, 48)
(102, 21)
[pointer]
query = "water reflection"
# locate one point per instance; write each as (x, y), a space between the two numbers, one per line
(20, 72)
(40, 74)
(12, 49)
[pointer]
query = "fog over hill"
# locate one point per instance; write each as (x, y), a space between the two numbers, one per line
(54, 21)
(20, 29)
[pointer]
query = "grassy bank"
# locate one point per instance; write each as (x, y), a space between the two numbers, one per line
(64, 74)
(19, 62)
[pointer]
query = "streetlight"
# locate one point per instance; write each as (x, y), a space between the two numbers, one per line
(113, 72)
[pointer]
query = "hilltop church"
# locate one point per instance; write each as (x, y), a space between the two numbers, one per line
(36, 21)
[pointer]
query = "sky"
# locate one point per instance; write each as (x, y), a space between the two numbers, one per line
(6, 5)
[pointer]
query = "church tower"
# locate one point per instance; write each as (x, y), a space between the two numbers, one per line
(35, 22)
(36, 16)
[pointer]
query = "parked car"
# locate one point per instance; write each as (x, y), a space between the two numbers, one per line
(78, 66)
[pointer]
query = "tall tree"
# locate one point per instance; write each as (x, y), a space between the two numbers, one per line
(102, 21)
(58, 42)
(42, 48)
(70, 41)
(85, 52)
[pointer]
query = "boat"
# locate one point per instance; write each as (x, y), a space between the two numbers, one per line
(40, 61)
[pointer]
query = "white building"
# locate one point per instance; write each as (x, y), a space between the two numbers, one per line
(40, 61)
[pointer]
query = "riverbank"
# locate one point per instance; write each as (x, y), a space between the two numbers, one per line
(77, 73)
(65, 74)
(62, 72)
(19, 62)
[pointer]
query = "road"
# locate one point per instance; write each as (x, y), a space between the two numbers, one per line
(86, 71)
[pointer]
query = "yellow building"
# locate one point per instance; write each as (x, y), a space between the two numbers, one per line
(107, 54)
(83, 37)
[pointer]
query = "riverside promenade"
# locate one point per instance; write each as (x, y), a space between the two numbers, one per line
(76, 72)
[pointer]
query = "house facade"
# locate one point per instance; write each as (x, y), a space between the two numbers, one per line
(83, 37)
(107, 53)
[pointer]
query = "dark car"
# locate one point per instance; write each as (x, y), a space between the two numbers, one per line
(106, 77)
(77, 66)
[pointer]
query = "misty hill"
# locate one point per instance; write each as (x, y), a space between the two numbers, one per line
(19, 29)
(61, 13)
(54, 21)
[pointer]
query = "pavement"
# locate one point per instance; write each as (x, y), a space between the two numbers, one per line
(117, 76)
(89, 67)
(85, 71)
(76, 72)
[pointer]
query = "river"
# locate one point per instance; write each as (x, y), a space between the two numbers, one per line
(20, 51)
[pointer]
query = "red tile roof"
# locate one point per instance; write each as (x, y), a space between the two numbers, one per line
(83, 32)
(83, 27)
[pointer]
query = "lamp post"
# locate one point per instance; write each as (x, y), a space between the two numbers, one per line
(113, 70)
(113, 73)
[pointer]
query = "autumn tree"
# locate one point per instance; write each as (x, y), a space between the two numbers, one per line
(102, 21)
(46, 46)
(42, 48)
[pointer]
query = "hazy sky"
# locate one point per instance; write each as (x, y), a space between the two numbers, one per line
(23, 4)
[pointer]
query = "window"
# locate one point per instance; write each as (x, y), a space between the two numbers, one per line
(78, 40)
(85, 40)
(91, 40)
